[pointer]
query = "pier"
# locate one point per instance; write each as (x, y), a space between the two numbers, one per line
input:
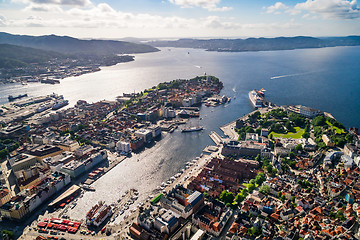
(216, 138)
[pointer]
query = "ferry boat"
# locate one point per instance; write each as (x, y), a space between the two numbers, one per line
(44, 107)
(97, 214)
(60, 104)
(91, 213)
(192, 129)
(104, 212)
(256, 98)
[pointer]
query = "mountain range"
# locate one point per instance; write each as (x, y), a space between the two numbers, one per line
(70, 45)
(260, 44)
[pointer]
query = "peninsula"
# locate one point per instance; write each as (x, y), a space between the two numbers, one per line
(48, 59)
(279, 169)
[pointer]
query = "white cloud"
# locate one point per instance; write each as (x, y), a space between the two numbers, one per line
(81, 3)
(43, 8)
(210, 5)
(3, 22)
(277, 8)
(331, 9)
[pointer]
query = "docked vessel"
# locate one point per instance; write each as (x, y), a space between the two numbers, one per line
(50, 81)
(60, 104)
(91, 213)
(192, 129)
(100, 215)
(12, 98)
(256, 97)
(44, 107)
(87, 188)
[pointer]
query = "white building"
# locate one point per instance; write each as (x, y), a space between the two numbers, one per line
(169, 113)
(156, 130)
(123, 147)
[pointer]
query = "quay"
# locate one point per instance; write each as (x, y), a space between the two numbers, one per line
(112, 164)
(216, 138)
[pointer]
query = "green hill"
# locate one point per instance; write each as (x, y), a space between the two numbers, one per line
(12, 56)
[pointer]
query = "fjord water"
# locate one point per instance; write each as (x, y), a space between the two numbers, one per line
(327, 79)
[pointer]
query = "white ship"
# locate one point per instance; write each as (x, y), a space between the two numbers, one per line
(60, 104)
(192, 129)
(104, 212)
(256, 97)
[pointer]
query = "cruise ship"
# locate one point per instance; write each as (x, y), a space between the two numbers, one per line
(256, 97)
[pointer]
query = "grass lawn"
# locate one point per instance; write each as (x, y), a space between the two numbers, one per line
(247, 185)
(297, 135)
(337, 130)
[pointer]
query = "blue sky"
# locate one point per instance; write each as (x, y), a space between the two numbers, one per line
(180, 18)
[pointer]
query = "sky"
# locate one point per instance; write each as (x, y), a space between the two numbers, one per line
(167, 19)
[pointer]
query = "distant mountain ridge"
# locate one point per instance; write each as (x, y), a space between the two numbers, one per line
(260, 44)
(70, 45)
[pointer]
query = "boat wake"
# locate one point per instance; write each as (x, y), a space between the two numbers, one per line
(197, 66)
(292, 75)
(234, 89)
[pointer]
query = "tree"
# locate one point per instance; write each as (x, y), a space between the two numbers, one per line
(340, 215)
(319, 121)
(260, 178)
(349, 138)
(206, 195)
(251, 187)
(297, 119)
(258, 158)
(306, 135)
(9, 233)
(298, 147)
(3, 153)
(227, 197)
(252, 181)
(264, 189)
(240, 197)
(291, 155)
(254, 231)
(288, 126)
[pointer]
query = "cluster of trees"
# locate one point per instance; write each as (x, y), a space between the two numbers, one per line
(10, 234)
(254, 117)
(6, 146)
(277, 113)
(335, 130)
(242, 132)
(298, 120)
(287, 163)
(305, 184)
(338, 215)
(231, 200)
(74, 136)
(266, 165)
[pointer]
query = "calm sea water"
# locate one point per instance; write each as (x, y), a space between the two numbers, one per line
(327, 79)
